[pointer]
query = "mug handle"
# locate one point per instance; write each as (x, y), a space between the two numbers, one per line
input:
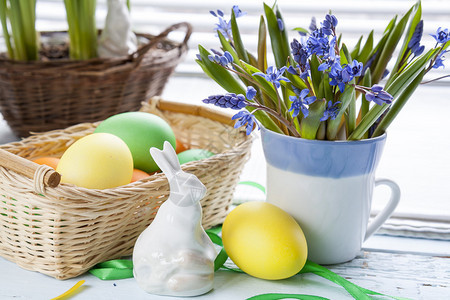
(383, 215)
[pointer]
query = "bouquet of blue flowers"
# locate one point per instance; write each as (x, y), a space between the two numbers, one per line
(318, 87)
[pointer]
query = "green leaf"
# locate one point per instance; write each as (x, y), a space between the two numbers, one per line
(398, 105)
(402, 80)
(311, 123)
(238, 44)
(226, 46)
(219, 74)
(356, 49)
(284, 34)
(380, 45)
(366, 50)
(316, 75)
(6, 35)
(280, 48)
(231, 85)
(346, 98)
(262, 45)
(327, 88)
(369, 119)
(389, 48)
(265, 86)
(345, 54)
(367, 81)
(412, 26)
(296, 81)
(301, 29)
(82, 29)
(351, 116)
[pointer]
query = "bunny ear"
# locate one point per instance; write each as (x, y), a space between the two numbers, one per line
(166, 159)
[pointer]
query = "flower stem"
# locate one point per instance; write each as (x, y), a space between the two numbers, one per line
(278, 96)
(280, 117)
(435, 79)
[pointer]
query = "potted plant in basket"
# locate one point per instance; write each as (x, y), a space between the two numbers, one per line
(51, 80)
(323, 115)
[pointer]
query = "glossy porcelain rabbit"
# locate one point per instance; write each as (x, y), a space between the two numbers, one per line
(117, 39)
(174, 256)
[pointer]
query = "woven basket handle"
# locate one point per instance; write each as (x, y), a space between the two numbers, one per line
(41, 174)
(140, 53)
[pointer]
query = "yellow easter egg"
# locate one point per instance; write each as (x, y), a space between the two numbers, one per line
(264, 241)
(97, 161)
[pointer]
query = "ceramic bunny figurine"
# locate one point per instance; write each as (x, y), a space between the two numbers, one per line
(117, 38)
(174, 256)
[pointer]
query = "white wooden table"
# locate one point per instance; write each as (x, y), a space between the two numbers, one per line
(405, 275)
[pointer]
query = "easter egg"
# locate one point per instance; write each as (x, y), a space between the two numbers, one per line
(264, 241)
(138, 175)
(47, 160)
(97, 161)
(180, 147)
(193, 155)
(140, 131)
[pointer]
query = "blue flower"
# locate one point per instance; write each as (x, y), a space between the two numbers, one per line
(331, 111)
(352, 70)
(312, 25)
(370, 61)
(273, 75)
(223, 60)
(292, 70)
(300, 52)
(219, 13)
(329, 24)
(245, 118)
(300, 102)
(305, 72)
(280, 24)
(229, 100)
(440, 59)
(441, 36)
(414, 43)
(238, 12)
(330, 58)
(318, 43)
(379, 96)
(336, 76)
(251, 93)
(223, 26)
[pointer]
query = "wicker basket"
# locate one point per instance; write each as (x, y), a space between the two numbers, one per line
(65, 230)
(43, 95)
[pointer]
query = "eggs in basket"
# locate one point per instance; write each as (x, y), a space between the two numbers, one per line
(117, 152)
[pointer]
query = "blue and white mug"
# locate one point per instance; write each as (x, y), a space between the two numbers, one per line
(327, 186)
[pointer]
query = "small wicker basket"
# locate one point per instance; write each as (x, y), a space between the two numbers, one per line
(43, 95)
(63, 231)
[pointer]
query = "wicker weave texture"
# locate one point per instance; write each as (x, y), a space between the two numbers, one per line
(44, 95)
(66, 230)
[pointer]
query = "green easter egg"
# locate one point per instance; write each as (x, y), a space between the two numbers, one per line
(193, 155)
(140, 131)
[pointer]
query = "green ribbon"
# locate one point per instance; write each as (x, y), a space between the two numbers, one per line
(254, 184)
(113, 269)
(356, 291)
(123, 268)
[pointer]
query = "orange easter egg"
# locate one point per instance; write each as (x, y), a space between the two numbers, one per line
(47, 160)
(180, 147)
(138, 175)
